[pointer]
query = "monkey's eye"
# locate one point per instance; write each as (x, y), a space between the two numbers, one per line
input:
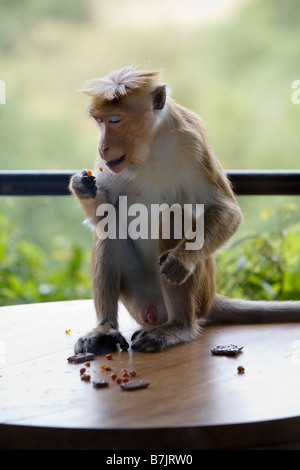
(114, 119)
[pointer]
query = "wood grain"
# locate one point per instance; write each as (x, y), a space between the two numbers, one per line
(195, 400)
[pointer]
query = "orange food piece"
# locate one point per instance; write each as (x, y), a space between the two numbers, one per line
(86, 377)
(113, 376)
(89, 172)
(68, 331)
(108, 356)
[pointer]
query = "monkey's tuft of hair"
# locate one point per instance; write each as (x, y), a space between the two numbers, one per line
(119, 83)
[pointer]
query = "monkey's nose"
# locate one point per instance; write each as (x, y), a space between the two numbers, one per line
(103, 150)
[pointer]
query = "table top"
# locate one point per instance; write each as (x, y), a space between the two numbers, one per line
(195, 400)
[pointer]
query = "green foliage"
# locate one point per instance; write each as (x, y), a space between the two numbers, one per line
(264, 266)
(29, 273)
(236, 73)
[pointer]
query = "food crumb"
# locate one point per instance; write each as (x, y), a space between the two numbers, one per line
(68, 331)
(108, 356)
(241, 369)
(86, 377)
(100, 383)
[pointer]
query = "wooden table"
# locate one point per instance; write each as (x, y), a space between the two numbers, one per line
(195, 400)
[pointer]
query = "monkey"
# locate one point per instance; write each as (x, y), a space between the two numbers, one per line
(156, 152)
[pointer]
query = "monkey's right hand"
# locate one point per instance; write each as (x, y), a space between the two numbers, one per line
(101, 339)
(83, 185)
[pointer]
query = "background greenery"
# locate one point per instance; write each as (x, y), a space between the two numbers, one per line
(231, 61)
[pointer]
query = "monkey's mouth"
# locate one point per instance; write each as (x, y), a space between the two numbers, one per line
(116, 162)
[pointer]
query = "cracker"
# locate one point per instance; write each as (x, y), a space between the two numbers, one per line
(134, 385)
(228, 350)
(100, 383)
(81, 357)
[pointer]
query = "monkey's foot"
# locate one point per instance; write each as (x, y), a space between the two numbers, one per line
(156, 339)
(102, 339)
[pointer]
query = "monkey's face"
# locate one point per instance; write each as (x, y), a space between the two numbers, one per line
(127, 129)
(124, 138)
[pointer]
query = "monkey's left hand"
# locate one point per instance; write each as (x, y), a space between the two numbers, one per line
(172, 268)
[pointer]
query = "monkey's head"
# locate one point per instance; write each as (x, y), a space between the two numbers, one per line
(128, 106)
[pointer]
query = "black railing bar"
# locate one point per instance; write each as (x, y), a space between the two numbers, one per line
(56, 182)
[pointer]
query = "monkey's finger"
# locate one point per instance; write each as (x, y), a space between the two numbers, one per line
(88, 179)
(135, 334)
(147, 340)
(162, 258)
(147, 346)
(123, 343)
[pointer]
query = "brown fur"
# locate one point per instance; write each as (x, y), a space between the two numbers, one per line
(154, 151)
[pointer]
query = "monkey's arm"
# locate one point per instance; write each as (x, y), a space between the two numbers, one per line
(84, 188)
(220, 222)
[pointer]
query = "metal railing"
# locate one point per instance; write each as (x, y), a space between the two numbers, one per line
(55, 183)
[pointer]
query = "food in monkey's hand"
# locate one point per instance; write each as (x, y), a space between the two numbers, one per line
(230, 350)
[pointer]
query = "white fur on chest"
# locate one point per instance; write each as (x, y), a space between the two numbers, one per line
(166, 178)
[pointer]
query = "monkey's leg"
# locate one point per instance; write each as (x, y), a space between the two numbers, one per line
(106, 291)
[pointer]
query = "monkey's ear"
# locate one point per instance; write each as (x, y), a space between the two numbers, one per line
(159, 96)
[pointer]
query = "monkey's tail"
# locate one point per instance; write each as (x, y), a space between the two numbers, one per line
(227, 310)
